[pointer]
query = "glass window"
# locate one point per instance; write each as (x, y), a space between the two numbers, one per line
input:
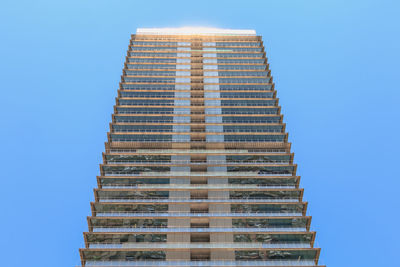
(152, 54)
(183, 67)
(211, 73)
(248, 102)
(151, 66)
(149, 80)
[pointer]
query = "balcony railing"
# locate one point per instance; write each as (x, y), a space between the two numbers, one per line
(200, 104)
(189, 174)
(192, 121)
(174, 263)
(192, 162)
(137, 95)
(195, 151)
(151, 229)
(171, 130)
(199, 245)
(184, 113)
(197, 141)
(198, 214)
(200, 186)
(208, 200)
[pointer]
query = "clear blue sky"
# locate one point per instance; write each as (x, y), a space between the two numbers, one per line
(336, 68)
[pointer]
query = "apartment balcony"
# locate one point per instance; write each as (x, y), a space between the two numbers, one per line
(117, 129)
(193, 162)
(197, 151)
(168, 175)
(245, 257)
(220, 263)
(280, 230)
(198, 195)
(261, 182)
(198, 245)
(184, 201)
(276, 209)
(198, 214)
(219, 187)
(199, 144)
(185, 174)
(294, 224)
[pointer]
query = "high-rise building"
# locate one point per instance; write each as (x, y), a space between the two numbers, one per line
(197, 168)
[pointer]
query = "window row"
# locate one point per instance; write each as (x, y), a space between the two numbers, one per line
(210, 158)
(153, 168)
(205, 55)
(230, 49)
(147, 110)
(209, 119)
(205, 60)
(172, 102)
(218, 44)
(180, 94)
(208, 129)
(188, 73)
(222, 87)
(188, 80)
(205, 67)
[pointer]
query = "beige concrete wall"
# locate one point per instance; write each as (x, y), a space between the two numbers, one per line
(217, 222)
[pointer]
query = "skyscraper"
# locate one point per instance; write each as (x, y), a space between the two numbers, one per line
(197, 168)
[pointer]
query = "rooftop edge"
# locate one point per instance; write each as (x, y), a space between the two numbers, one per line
(194, 31)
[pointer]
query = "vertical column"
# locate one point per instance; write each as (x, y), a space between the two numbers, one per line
(182, 95)
(212, 95)
(181, 179)
(181, 125)
(219, 208)
(180, 208)
(197, 100)
(214, 115)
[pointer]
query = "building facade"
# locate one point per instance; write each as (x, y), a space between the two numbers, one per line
(197, 168)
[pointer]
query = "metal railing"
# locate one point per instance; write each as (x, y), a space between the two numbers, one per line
(109, 162)
(169, 229)
(189, 174)
(191, 200)
(171, 130)
(198, 245)
(193, 121)
(197, 214)
(183, 113)
(201, 186)
(244, 105)
(196, 141)
(205, 263)
(197, 151)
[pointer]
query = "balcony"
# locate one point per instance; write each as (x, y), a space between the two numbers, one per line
(173, 174)
(192, 162)
(224, 263)
(209, 200)
(195, 151)
(200, 245)
(199, 186)
(197, 229)
(189, 214)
